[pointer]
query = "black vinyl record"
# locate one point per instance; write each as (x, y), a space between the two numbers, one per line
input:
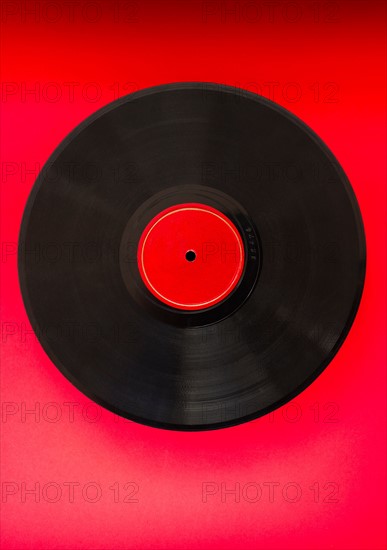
(129, 187)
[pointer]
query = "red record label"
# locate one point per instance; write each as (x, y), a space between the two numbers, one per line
(191, 256)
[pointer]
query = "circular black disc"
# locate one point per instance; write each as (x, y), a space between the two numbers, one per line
(259, 165)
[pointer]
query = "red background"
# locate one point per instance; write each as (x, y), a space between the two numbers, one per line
(325, 62)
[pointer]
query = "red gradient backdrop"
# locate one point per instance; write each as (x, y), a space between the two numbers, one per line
(310, 475)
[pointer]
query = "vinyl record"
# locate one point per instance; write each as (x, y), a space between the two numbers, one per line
(192, 256)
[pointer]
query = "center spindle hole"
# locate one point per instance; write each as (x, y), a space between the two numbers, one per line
(190, 256)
